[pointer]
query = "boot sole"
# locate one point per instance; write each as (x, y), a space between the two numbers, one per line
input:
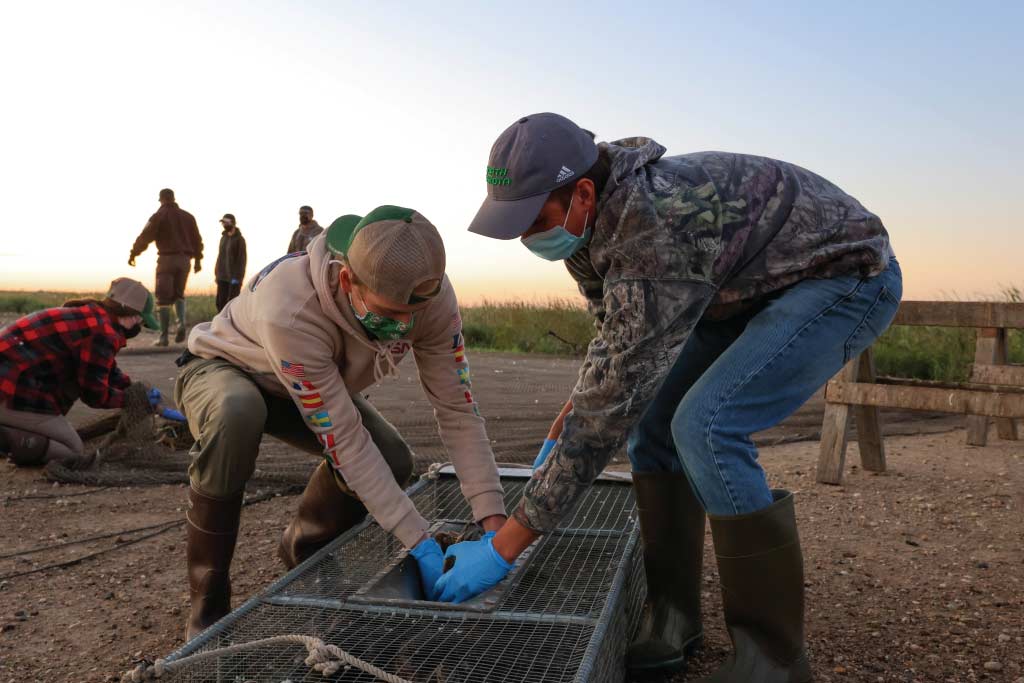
(667, 667)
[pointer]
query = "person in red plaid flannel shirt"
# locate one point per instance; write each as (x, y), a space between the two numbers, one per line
(53, 357)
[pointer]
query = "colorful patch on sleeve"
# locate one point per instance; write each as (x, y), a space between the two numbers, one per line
(327, 440)
(293, 369)
(321, 419)
(310, 401)
(334, 460)
(456, 340)
(463, 374)
(469, 397)
(460, 353)
(303, 386)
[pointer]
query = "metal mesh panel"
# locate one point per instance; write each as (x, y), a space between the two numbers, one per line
(565, 614)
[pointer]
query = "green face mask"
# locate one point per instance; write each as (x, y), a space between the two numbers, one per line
(381, 327)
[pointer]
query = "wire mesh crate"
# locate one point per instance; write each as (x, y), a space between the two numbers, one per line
(564, 613)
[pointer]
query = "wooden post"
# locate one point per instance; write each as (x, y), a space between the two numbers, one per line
(835, 432)
(869, 428)
(991, 349)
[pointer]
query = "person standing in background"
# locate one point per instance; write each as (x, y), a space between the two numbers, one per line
(230, 268)
(178, 242)
(307, 230)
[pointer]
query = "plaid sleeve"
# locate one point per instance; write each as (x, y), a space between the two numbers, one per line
(101, 382)
(118, 379)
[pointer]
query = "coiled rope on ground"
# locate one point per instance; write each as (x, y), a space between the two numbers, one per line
(323, 658)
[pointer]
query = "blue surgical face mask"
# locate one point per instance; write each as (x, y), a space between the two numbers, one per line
(557, 243)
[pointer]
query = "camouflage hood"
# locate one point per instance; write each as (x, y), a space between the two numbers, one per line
(629, 155)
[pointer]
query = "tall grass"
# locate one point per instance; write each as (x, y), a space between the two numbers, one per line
(563, 327)
(200, 307)
(559, 326)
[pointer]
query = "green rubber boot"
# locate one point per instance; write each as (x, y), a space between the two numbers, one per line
(672, 531)
(165, 324)
(762, 573)
(179, 310)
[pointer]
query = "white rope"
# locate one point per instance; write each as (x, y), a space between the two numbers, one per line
(434, 471)
(324, 658)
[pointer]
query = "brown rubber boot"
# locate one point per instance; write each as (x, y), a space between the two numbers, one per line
(24, 449)
(672, 532)
(762, 573)
(211, 533)
(325, 512)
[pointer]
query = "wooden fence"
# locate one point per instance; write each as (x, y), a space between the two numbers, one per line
(995, 389)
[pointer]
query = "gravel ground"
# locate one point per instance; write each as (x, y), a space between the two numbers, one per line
(913, 575)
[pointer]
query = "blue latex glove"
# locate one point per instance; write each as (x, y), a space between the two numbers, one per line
(544, 451)
(155, 397)
(478, 567)
(172, 414)
(430, 560)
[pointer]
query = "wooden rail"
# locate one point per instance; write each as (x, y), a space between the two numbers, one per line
(995, 389)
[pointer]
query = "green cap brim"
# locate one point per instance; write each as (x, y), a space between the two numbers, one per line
(341, 232)
(148, 319)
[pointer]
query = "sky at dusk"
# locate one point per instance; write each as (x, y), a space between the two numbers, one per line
(256, 108)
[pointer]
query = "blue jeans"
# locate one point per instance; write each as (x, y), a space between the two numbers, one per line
(748, 373)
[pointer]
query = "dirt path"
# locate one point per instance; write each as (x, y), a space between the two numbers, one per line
(915, 575)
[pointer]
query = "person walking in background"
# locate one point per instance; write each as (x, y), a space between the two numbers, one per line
(53, 357)
(177, 242)
(307, 230)
(230, 267)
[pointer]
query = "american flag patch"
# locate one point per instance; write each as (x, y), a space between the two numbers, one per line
(311, 401)
(303, 386)
(293, 369)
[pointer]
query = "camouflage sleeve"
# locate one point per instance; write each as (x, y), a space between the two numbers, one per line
(646, 323)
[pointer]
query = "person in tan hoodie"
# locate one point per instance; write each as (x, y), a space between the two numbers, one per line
(289, 356)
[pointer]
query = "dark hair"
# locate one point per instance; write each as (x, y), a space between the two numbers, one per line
(598, 174)
(306, 208)
(167, 194)
(229, 215)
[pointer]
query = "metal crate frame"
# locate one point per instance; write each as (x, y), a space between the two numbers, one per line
(601, 626)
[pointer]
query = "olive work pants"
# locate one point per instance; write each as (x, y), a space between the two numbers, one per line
(228, 414)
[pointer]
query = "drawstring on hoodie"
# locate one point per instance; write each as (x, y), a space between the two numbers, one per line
(391, 369)
(383, 363)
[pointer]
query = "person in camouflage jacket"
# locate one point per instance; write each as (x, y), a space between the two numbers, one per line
(726, 289)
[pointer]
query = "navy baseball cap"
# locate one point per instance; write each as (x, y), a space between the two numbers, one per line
(534, 156)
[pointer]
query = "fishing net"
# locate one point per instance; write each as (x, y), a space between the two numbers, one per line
(133, 447)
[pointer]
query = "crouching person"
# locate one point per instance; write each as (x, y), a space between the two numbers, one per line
(289, 357)
(53, 357)
(727, 288)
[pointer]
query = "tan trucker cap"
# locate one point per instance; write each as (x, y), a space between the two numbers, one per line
(392, 250)
(134, 295)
